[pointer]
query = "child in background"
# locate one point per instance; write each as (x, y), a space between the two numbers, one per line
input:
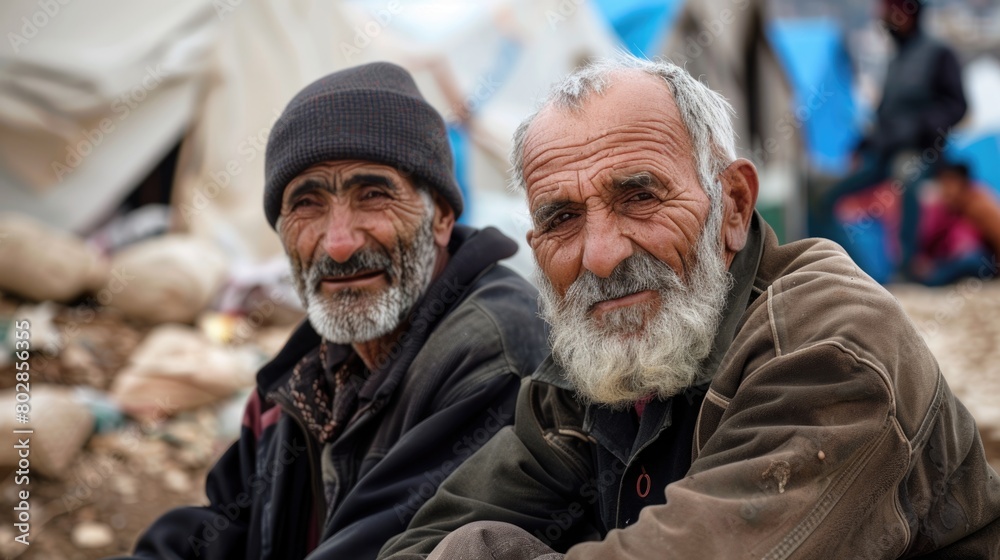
(960, 231)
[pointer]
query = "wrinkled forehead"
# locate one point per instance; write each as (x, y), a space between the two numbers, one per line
(636, 109)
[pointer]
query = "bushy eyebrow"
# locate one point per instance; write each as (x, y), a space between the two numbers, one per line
(369, 179)
(305, 187)
(641, 180)
(545, 212)
(312, 184)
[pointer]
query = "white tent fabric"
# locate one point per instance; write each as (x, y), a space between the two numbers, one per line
(230, 67)
(93, 95)
(981, 80)
(266, 51)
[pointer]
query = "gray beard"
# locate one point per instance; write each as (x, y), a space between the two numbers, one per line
(357, 315)
(627, 356)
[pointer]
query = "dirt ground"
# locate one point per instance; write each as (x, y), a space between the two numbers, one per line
(124, 479)
(961, 325)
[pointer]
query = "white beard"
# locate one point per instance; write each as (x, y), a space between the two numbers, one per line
(355, 315)
(625, 357)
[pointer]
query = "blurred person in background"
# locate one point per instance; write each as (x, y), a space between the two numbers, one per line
(414, 347)
(959, 231)
(921, 100)
(711, 393)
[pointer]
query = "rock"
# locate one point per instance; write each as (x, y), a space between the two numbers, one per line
(177, 481)
(192, 458)
(9, 548)
(45, 336)
(61, 423)
(177, 368)
(171, 278)
(41, 263)
(125, 485)
(92, 534)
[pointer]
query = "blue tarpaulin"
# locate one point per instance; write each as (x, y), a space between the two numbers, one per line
(981, 153)
(642, 25)
(816, 61)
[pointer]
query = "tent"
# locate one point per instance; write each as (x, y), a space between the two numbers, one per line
(982, 154)
(977, 141)
(228, 69)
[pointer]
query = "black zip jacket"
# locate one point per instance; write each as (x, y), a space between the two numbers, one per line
(451, 385)
(922, 98)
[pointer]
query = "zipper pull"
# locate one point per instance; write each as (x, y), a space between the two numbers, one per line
(643, 484)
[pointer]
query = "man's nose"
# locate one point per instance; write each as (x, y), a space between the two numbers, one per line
(343, 238)
(604, 245)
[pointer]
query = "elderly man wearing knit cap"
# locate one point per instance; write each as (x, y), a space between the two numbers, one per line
(413, 351)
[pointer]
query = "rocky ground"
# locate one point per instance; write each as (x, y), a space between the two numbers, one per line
(125, 478)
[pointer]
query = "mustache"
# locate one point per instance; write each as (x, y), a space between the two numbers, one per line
(637, 273)
(363, 261)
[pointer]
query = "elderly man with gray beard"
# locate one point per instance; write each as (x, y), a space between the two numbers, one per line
(413, 353)
(711, 393)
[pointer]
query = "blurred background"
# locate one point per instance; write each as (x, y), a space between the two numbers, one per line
(132, 235)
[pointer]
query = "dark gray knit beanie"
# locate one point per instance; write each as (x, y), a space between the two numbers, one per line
(371, 112)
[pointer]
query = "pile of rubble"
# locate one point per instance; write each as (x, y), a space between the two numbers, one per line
(140, 357)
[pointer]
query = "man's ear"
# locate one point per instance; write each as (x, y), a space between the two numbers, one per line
(740, 186)
(444, 220)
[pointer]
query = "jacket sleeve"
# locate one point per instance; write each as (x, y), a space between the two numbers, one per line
(218, 530)
(385, 499)
(523, 476)
(804, 461)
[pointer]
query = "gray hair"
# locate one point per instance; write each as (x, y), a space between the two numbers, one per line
(705, 113)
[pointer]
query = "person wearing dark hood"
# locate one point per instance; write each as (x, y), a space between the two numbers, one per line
(414, 347)
(922, 99)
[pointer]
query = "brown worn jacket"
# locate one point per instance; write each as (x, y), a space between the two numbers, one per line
(827, 432)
